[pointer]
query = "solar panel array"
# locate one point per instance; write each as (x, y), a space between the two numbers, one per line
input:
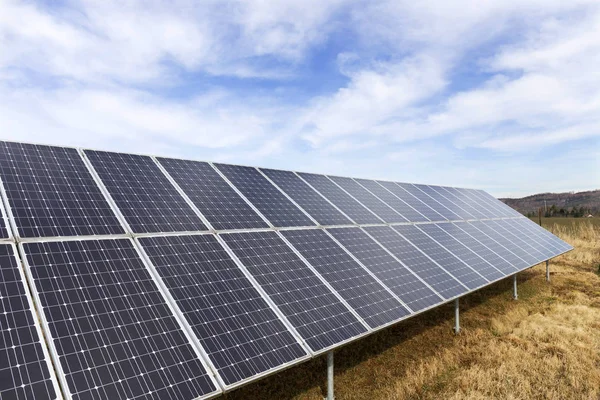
(157, 278)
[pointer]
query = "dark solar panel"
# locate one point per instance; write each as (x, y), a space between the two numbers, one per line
(413, 201)
(306, 197)
(341, 199)
(237, 328)
(439, 208)
(451, 263)
(309, 305)
(412, 258)
(516, 262)
(501, 237)
(144, 195)
(214, 198)
(264, 196)
(366, 198)
(402, 208)
(24, 362)
(51, 193)
(407, 286)
(532, 244)
(448, 204)
(363, 293)
(462, 252)
(115, 336)
(5, 232)
(478, 247)
(538, 231)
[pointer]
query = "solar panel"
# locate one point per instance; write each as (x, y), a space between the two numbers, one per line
(143, 194)
(508, 211)
(402, 208)
(442, 282)
(488, 241)
(439, 198)
(455, 197)
(237, 328)
(407, 286)
(342, 200)
(446, 213)
(493, 206)
(478, 247)
(462, 252)
(5, 232)
(537, 230)
(320, 318)
(212, 195)
(456, 267)
(51, 193)
(364, 294)
(306, 197)
(535, 247)
(113, 332)
(264, 196)
(500, 237)
(25, 369)
(370, 201)
(422, 208)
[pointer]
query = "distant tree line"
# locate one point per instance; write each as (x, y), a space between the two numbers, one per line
(553, 211)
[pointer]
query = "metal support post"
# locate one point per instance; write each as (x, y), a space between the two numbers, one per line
(515, 296)
(330, 376)
(456, 317)
(547, 270)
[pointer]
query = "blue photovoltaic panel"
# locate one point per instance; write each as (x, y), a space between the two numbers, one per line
(508, 211)
(115, 336)
(4, 225)
(452, 264)
(469, 207)
(341, 199)
(366, 198)
(320, 318)
(446, 213)
(238, 330)
(430, 272)
(478, 247)
(306, 197)
(393, 201)
(421, 207)
(487, 240)
(264, 196)
(24, 365)
(460, 196)
(144, 195)
(362, 292)
(51, 193)
(535, 247)
(538, 231)
(501, 238)
(453, 207)
(462, 252)
(493, 209)
(214, 198)
(408, 287)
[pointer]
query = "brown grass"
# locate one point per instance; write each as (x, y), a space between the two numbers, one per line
(546, 345)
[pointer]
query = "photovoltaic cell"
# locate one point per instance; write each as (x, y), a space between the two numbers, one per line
(453, 207)
(461, 197)
(413, 201)
(518, 239)
(238, 330)
(487, 240)
(469, 207)
(535, 247)
(411, 257)
(362, 292)
(366, 198)
(115, 336)
(4, 229)
(476, 246)
(462, 252)
(306, 197)
(509, 212)
(451, 263)
(264, 196)
(341, 199)
(402, 208)
(51, 193)
(501, 238)
(214, 198)
(408, 287)
(24, 364)
(537, 230)
(143, 194)
(495, 209)
(320, 318)
(446, 213)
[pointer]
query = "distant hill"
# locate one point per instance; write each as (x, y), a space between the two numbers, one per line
(569, 203)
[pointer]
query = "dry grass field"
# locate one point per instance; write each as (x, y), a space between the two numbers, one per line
(546, 345)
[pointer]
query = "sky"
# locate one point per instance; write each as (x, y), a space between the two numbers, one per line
(500, 95)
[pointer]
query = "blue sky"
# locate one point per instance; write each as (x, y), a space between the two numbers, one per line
(500, 95)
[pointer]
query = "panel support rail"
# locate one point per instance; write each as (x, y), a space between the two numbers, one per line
(456, 317)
